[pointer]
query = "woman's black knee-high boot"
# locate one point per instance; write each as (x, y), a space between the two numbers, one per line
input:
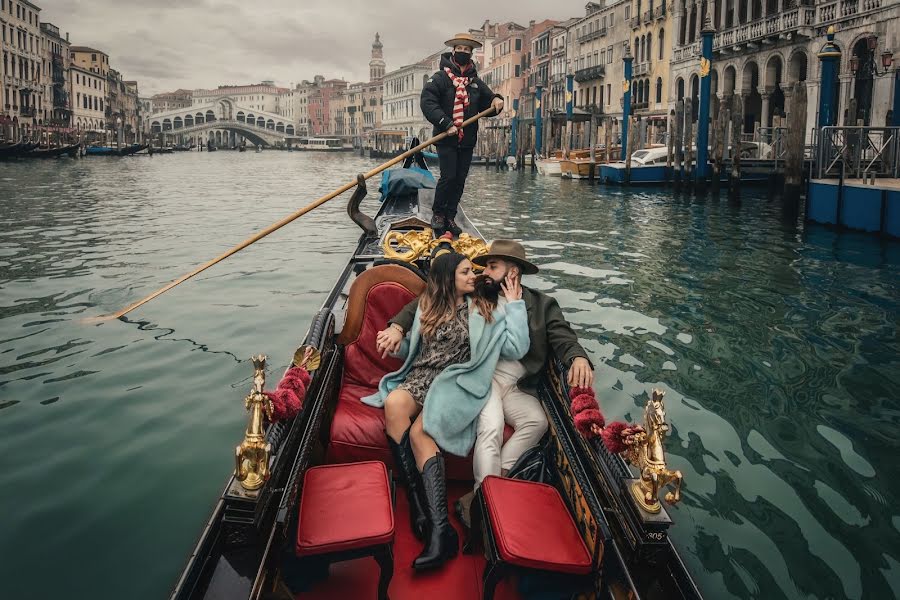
(406, 462)
(442, 542)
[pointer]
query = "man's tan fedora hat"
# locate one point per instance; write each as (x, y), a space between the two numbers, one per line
(463, 39)
(507, 250)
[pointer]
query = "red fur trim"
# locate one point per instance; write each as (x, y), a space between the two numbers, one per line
(583, 402)
(579, 391)
(612, 437)
(586, 419)
(287, 399)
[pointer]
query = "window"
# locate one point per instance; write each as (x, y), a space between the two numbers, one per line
(518, 43)
(658, 90)
(627, 12)
(518, 71)
(609, 55)
(662, 45)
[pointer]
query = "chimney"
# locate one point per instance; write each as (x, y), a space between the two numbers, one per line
(67, 36)
(531, 23)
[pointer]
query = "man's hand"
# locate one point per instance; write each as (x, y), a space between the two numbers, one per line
(497, 105)
(452, 131)
(388, 341)
(580, 373)
(511, 288)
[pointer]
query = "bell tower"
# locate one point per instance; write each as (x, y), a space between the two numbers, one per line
(376, 65)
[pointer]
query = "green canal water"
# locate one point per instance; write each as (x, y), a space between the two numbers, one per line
(776, 343)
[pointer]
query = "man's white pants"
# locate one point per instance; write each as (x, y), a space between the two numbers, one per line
(523, 412)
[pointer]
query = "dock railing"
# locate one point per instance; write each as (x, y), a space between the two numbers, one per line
(858, 152)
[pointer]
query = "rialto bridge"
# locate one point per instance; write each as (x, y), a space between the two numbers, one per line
(225, 122)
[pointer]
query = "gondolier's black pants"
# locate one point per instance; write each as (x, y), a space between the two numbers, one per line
(454, 164)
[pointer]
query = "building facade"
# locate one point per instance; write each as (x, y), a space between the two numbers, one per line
(652, 52)
(57, 59)
(761, 48)
(88, 100)
(402, 93)
(24, 74)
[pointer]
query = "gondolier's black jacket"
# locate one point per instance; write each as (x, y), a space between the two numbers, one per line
(439, 94)
(547, 329)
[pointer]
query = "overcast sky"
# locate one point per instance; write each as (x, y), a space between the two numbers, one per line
(167, 44)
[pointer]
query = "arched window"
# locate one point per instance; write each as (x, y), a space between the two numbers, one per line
(210, 116)
(662, 42)
(658, 90)
(649, 46)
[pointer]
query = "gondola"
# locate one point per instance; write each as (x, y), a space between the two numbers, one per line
(246, 549)
(11, 150)
(113, 151)
(70, 150)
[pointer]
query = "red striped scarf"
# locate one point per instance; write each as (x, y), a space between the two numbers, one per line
(461, 101)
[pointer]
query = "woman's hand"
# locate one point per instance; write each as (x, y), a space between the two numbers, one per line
(511, 288)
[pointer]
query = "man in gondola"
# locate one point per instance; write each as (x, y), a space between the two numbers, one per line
(452, 95)
(513, 397)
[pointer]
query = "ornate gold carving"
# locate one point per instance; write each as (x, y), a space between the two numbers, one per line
(419, 243)
(308, 357)
(645, 451)
(704, 67)
(626, 85)
(251, 457)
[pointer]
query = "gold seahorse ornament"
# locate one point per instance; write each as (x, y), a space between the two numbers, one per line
(251, 457)
(645, 451)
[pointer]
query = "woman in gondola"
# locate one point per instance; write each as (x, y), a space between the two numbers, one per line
(432, 403)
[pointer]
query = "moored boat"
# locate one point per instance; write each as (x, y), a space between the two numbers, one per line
(549, 167)
(113, 151)
(70, 150)
(577, 168)
(246, 549)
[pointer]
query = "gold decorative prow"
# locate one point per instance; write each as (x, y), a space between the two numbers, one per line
(420, 243)
(645, 451)
(251, 458)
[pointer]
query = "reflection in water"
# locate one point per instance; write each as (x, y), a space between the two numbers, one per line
(776, 345)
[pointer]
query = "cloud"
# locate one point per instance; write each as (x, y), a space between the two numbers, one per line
(167, 44)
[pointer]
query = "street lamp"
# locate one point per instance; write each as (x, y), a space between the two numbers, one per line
(869, 66)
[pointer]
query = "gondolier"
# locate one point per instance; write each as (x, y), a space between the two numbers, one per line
(450, 96)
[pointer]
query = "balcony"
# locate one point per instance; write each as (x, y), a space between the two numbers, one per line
(641, 69)
(635, 22)
(648, 17)
(587, 37)
(595, 72)
(27, 111)
(660, 12)
(603, 31)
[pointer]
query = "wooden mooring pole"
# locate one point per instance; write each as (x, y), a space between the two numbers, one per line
(719, 143)
(737, 125)
(679, 143)
(796, 134)
(689, 140)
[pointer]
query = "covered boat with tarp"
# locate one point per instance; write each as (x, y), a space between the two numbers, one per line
(286, 493)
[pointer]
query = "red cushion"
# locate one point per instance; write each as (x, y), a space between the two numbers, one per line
(533, 527)
(363, 364)
(345, 507)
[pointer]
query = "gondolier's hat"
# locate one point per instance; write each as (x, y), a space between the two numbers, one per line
(507, 250)
(463, 39)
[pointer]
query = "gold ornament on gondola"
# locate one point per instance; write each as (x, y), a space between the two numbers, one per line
(251, 457)
(645, 451)
(420, 243)
(307, 357)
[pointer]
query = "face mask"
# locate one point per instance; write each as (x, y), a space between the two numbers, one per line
(462, 58)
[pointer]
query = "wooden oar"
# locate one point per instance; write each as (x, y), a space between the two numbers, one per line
(285, 221)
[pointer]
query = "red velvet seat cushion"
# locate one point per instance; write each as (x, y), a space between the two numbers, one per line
(345, 507)
(533, 527)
